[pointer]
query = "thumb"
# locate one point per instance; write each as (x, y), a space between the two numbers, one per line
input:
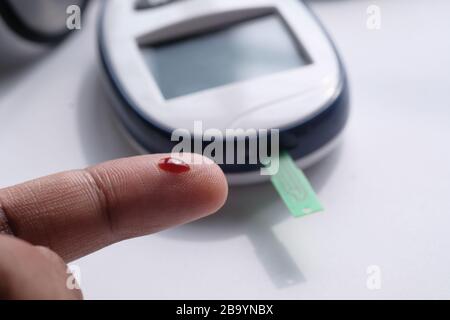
(29, 273)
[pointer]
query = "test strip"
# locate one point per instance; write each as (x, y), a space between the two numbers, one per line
(294, 188)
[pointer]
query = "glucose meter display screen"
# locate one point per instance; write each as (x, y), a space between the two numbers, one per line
(238, 52)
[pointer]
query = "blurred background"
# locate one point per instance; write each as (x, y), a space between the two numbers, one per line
(386, 188)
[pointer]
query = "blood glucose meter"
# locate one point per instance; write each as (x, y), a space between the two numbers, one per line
(261, 64)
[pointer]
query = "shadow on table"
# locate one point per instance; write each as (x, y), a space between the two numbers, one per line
(250, 211)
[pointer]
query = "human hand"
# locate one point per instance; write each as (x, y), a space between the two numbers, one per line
(62, 217)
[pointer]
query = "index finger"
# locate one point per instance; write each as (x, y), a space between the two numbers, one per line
(77, 212)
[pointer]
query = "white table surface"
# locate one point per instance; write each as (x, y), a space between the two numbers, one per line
(386, 189)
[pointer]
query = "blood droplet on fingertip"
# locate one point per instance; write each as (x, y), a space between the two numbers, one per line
(173, 165)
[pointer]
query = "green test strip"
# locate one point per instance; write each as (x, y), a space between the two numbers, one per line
(294, 188)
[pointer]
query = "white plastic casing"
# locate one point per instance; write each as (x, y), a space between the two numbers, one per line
(272, 101)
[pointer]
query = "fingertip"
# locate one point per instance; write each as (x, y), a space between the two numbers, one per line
(215, 186)
(204, 186)
(155, 192)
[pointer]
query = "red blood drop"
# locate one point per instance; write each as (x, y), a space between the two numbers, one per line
(173, 165)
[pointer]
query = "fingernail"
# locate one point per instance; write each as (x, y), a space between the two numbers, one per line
(173, 165)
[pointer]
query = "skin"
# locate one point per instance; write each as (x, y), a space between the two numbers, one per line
(62, 217)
